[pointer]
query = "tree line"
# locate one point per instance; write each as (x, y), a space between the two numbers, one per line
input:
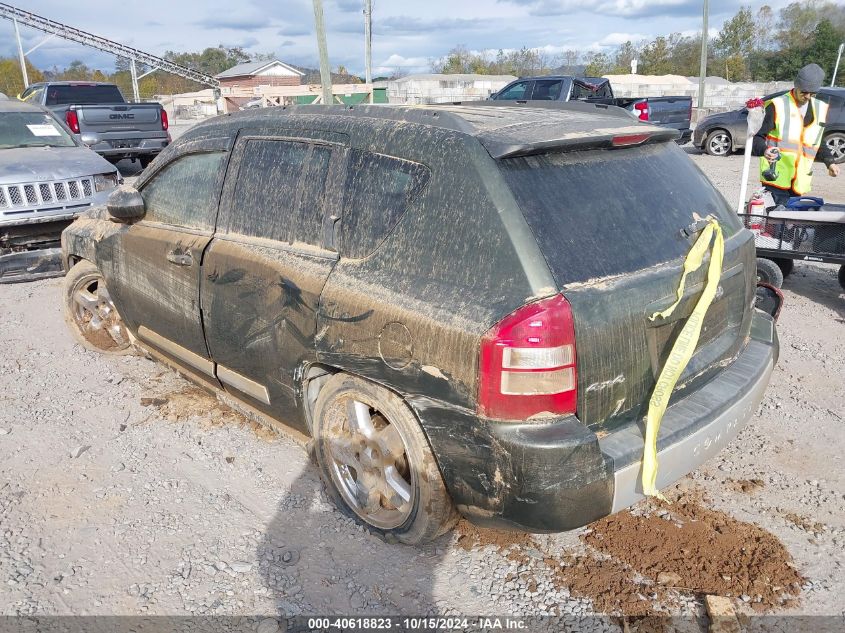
(751, 46)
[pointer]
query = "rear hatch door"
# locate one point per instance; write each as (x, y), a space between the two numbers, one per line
(610, 224)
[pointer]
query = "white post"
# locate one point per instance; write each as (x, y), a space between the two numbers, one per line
(325, 73)
(368, 44)
(836, 68)
(703, 64)
(134, 72)
(753, 123)
(21, 56)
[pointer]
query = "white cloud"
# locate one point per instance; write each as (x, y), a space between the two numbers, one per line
(409, 64)
(615, 39)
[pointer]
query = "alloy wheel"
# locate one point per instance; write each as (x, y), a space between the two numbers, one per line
(369, 464)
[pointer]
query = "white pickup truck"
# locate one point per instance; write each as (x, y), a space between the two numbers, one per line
(104, 120)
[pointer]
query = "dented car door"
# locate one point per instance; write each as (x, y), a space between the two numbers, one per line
(266, 267)
(154, 281)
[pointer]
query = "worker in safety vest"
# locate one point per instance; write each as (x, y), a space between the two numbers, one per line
(792, 128)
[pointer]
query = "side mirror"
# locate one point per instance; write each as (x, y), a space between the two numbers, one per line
(125, 204)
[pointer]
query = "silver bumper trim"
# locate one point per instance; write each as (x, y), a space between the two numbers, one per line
(683, 456)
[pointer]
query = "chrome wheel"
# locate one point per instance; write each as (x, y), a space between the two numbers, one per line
(719, 143)
(368, 463)
(835, 144)
(95, 316)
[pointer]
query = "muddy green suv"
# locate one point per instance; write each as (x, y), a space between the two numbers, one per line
(452, 302)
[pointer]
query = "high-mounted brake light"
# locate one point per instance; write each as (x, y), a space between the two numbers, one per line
(642, 108)
(164, 121)
(72, 121)
(528, 363)
(629, 139)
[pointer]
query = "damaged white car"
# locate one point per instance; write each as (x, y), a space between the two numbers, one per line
(47, 178)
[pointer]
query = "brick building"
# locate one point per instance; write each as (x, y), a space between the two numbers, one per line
(254, 74)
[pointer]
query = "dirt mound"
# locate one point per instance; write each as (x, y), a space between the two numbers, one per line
(640, 564)
(471, 537)
(195, 402)
(698, 550)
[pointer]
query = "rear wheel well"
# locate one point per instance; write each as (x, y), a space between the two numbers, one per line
(315, 377)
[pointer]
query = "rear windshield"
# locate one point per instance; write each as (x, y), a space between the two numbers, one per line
(599, 213)
(82, 95)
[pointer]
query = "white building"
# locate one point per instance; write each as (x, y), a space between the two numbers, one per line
(444, 88)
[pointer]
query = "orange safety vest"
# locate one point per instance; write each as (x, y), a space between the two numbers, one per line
(798, 144)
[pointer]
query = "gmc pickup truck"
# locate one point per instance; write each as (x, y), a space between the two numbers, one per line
(103, 120)
(673, 112)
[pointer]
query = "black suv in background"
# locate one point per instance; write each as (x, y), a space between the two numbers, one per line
(409, 288)
(724, 133)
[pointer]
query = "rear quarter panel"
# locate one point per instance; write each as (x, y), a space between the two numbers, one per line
(411, 314)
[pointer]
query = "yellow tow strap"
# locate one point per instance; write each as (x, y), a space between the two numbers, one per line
(684, 345)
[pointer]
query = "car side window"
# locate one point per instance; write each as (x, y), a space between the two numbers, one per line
(33, 95)
(378, 191)
(267, 189)
(307, 221)
(548, 90)
(516, 91)
(185, 192)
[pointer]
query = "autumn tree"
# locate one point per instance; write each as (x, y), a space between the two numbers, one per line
(11, 80)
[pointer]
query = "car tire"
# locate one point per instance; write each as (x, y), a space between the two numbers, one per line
(785, 264)
(835, 145)
(376, 462)
(842, 276)
(768, 272)
(718, 143)
(90, 314)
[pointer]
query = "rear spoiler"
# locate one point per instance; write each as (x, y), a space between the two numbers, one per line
(620, 128)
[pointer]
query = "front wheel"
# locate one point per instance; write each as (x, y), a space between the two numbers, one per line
(90, 314)
(376, 462)
(768, 272)
(718, 143)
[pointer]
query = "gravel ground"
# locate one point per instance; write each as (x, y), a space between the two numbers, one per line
(124, 490)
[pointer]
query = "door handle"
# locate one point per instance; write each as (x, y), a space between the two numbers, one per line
(180, 258)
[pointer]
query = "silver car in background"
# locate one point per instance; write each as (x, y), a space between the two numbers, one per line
(47, 178)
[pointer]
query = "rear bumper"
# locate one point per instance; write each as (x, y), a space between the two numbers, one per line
(685, 136)
(30, 265)
(559, 475)
(125, 147)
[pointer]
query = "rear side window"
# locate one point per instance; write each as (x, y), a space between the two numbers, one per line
(82, 94)
(184, 193)
(378, 191)
(548, 90)
(280, 191)
(599, 213)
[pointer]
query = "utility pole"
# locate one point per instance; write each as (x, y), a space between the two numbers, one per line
(703, 69)
(835, 68)
(21, 56)
(134, 73)
(368, 41)
(325, 73)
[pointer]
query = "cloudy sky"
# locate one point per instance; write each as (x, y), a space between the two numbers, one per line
(406, 35)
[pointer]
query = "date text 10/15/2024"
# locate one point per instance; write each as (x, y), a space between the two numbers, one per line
(405, 623)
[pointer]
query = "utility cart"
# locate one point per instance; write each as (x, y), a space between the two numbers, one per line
(806, 228)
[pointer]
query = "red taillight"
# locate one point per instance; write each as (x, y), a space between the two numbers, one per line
(164, 123)
(642, 108)
(528, 363)
(72, 121)
(629, 139)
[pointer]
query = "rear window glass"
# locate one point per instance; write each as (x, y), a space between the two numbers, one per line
(378, 191)
(607, 212)
(82, 94)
